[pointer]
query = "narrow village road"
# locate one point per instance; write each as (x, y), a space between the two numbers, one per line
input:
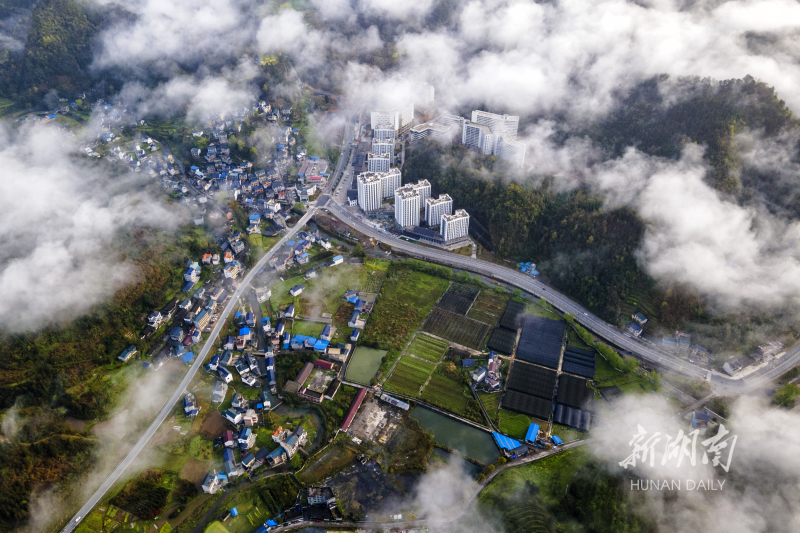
(166, 410)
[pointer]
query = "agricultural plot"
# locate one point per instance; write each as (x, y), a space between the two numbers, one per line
(427, 347)
(456, 328)
(405, 299)
(489, 307)
(454, 303)
(446, 393)
(409, 375)
(464, 291)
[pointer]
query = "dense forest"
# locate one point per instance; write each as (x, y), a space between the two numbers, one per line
(57, 52)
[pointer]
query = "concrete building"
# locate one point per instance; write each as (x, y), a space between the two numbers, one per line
(451, 121)
(382, 147)
(510, 149)
(406, 206)
(373, 187)
(497, 123)
(424, 98)
(384, 133)
(478, 137)
(399, 120)
(455, 226)
(436, 207)
(390, 182)
(378, 162)
(370, 191)
(423, 187)
(430, 129)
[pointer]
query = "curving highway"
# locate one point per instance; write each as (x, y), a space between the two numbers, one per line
(723, 385)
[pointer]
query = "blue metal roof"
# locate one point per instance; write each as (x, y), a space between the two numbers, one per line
(505, 443)
(557, 440)
(533, 431)
(187, 357)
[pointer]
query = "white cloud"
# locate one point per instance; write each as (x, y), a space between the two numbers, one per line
(59, 215)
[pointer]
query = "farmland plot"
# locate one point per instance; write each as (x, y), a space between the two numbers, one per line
(454, 303)
(489, 307)
(427, 347)
(446, 393)
(464, 291)
(408, 376)
(456, 328)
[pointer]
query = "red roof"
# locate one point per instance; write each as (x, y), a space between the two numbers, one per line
(323, 364)
(353, 409)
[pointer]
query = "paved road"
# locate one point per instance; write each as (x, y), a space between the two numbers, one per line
(179, 391)
(723, 385)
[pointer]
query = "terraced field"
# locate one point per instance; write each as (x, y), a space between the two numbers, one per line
(427, 347)
(408, 376)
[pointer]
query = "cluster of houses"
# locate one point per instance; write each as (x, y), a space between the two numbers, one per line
(289, 442)
(251, 368)
(488, 375)
(296, 251)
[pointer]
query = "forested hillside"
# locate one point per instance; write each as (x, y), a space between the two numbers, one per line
(50, 372)
(587, 251)
(709, 113)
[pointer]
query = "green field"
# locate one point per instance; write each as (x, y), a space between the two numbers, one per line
(427, 347)
(513, 424)
(216, 527)
(574, 340)
(489, 306)
(446, 393)
(364, 364)
(409, 375)
(406, 298)
(490, 401)
(629, 382)
(536, 308)
(324, 293)
(311, 329)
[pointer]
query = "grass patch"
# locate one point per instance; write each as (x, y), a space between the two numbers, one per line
(427, 347)
(574, 340)
(512, 424)
(491, 402)
(409, 375)
(606, 375)
(311, 329)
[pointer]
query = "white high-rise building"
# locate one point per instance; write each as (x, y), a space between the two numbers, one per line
(384, 134)
(510, 150)
(451, 120)
(424, 96)
(400, 120)
(385, 120)
(390, 182)
(378, 163)
(382, 147)
(497, 123)
(370, 191)
(430, 129)
(423, 187)
(477, 137)
(406, 206)
(453, 227)
(436, 207)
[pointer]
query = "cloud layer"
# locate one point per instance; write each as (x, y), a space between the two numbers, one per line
(59, 215)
